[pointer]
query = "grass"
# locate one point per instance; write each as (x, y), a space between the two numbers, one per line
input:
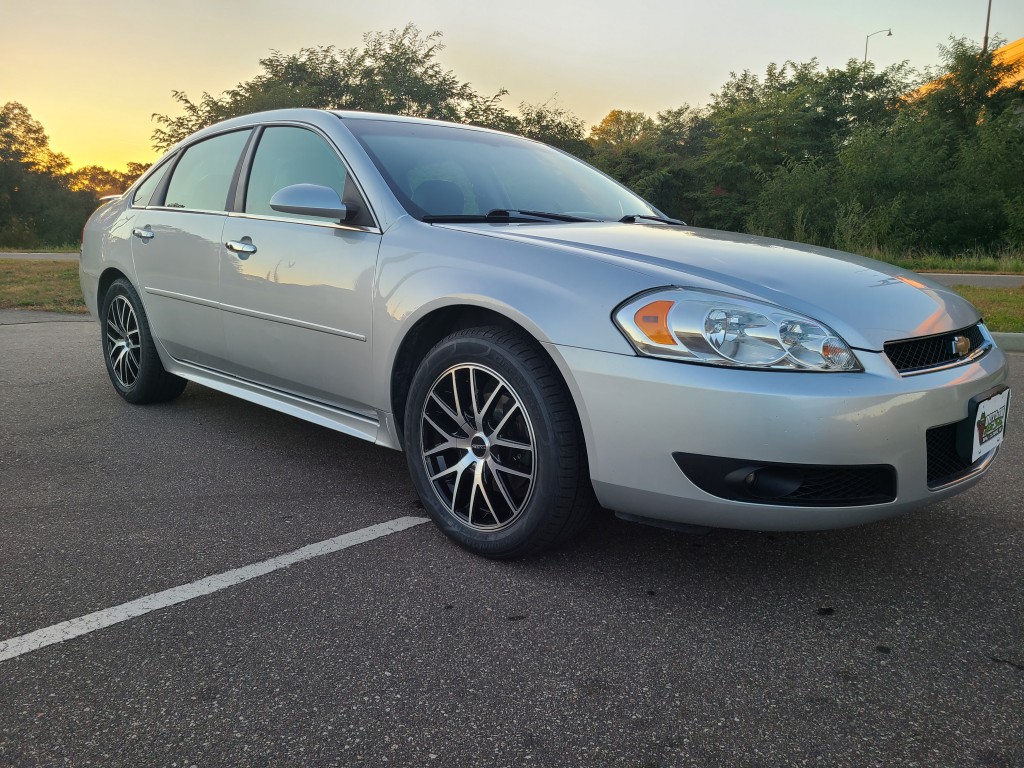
(1007, 261)
(39, 284)
(41, 249)
(53, 286)
(1002, 308)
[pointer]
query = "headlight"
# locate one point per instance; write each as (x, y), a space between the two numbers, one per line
(699, 326)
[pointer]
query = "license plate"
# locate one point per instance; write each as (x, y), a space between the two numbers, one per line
(989, 424)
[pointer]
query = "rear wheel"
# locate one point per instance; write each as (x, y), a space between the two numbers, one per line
(494, 445)
(132, 361)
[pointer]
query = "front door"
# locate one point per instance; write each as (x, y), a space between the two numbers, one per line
(297, 307)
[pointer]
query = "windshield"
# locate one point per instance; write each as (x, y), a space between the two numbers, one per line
(440, 170)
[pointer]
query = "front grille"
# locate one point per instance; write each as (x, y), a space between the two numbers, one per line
(801, 485)
(931, 351)
(945, 464)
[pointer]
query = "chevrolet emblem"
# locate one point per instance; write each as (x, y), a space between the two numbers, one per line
(961, 346)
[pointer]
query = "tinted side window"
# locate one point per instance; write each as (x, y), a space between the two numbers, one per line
(287, 156)
(203, 175)
(145, 191)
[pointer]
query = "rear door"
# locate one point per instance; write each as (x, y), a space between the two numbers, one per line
(176, 247)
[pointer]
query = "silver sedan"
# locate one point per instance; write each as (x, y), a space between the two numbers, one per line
(536, 338)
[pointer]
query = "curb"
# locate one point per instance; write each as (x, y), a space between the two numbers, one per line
(979, 279)
(1009, 342)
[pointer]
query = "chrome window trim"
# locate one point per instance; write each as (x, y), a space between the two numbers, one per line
(182, 210)
(237, 215)
(326, 224)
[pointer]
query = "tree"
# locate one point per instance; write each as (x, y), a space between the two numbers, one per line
(37, 204)
(396, 72)
(622, 127)
(103, 181)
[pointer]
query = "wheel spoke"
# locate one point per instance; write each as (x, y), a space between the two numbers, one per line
(496, 467)
(447, 409)
(433, 423)
(458, 479)
(501, 441)
(504, 491)
(458, 403)
(472, 493)
(472, 395)
(458, 466)
(134, 364)
(447, 445)
(483, 492)
(490, 401)
(504, 420)
(122, 311)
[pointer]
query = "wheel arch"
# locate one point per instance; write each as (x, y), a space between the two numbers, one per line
(435, 325)
(107, 277)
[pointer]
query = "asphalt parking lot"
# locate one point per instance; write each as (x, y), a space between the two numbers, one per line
(898, 643)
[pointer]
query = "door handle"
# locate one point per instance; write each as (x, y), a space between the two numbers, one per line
(242, 248)
(144, 235)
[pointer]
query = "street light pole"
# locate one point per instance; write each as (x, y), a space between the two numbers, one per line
(988, 16)
(878, 33)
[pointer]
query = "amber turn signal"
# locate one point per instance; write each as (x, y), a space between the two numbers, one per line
(652, 319)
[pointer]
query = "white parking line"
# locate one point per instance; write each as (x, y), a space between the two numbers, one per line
(83, 625)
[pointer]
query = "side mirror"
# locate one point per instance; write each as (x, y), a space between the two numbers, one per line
(312, 200)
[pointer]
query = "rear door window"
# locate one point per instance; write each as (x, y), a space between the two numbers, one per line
(203, 176)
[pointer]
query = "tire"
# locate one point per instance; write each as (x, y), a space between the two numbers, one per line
(134, 367)
(494, 445)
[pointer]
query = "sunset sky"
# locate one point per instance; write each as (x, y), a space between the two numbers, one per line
(94, 72)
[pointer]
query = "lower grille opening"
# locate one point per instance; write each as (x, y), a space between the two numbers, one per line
(945, 463)
(807, 485)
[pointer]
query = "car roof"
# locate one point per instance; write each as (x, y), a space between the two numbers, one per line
(308, 113)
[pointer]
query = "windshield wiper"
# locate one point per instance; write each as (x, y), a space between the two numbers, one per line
(501, 214)
(633, 218)
(538, 215)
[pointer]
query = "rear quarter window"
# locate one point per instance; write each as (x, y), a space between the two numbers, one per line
(145, 191)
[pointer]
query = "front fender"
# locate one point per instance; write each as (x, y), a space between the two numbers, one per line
(559, 297)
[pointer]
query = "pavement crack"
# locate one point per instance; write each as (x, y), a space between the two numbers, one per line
(1013, 664)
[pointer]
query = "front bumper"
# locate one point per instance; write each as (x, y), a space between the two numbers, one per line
(637, 412)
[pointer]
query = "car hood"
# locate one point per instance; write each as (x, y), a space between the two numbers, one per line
(866, 301)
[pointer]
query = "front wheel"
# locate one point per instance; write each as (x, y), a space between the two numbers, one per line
(494, 445)
(132, 361)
